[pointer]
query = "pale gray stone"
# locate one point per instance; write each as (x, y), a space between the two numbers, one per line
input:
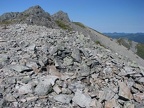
(139, 97)
(76, 86)
(76, 55)
(31, 64)
(25, 89)
(53, 49)
(112, 104)
(26, 79)
(10, 98)
(106, 94)
(3, 57)
(68, 61)
(45, 85)
(81, 99)
(84, 70)
(141, 80)
(124, 91)
(43, 88)
(107, 71)
(32, 47)
(129, 70)
(129, 105)
(63, 98)
(20, 68)
(57, 89)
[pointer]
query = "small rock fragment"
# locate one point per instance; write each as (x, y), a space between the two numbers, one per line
(57, 89)
(111, 104)
(139, 97)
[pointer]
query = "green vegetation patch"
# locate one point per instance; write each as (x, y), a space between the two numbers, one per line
(79, 24)
(98, 43)
(140, 50)
(62, 25)
(125, 44)
(7, 22)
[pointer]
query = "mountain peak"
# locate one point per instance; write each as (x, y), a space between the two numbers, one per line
(34, 10)
(60, 15)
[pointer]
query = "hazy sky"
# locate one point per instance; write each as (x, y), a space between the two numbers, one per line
(102, 15)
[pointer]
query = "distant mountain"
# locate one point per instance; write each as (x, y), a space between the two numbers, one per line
(132, 41)
(137, 37)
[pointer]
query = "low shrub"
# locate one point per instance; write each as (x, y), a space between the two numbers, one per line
(98, 43)
(62, 25)
(6, 22)
(140, 50)
(79, 24)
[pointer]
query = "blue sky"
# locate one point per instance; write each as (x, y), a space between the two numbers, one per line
(102, 15)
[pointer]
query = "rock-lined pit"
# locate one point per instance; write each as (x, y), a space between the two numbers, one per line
(51, 68)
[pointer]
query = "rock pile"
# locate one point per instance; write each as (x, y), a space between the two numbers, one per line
(50, 68)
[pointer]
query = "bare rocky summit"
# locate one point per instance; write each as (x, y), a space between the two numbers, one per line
(60, 15)
(46, 67)
(35, 15)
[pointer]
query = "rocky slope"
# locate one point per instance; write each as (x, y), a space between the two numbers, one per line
(132, 41)
(48, 67)
(130, 45)
(103, 40)
(135, 47)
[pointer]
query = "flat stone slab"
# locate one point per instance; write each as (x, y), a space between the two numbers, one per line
(124, 91)
(20, 68)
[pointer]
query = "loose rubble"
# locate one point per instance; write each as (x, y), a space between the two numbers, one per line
(50, 68)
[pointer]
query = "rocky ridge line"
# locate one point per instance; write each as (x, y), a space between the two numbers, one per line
(35, 15)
